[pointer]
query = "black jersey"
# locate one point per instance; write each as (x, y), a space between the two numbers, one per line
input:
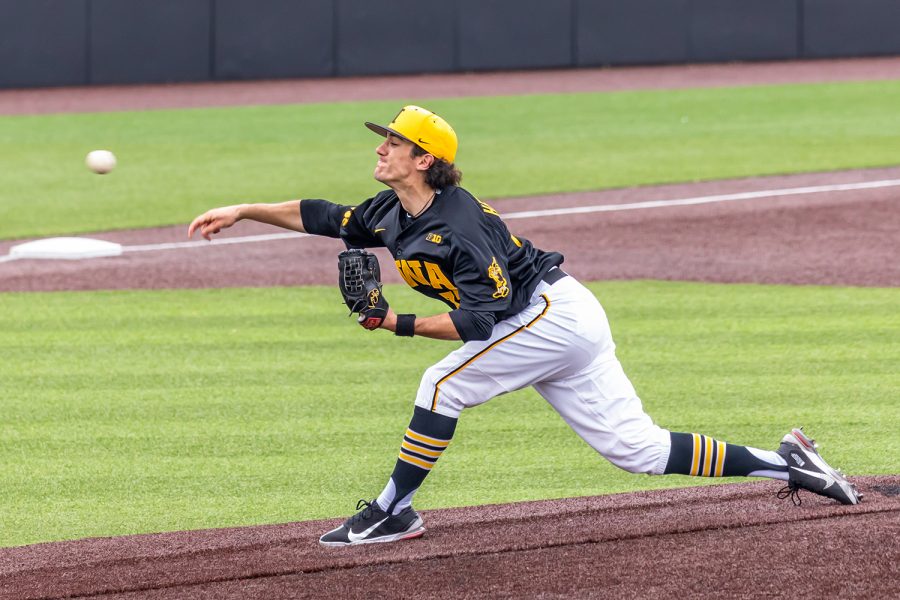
(458, 251)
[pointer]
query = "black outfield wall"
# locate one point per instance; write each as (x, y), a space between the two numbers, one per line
(75, 42)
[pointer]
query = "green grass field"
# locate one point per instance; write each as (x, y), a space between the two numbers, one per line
(175, 164)
(143, 411)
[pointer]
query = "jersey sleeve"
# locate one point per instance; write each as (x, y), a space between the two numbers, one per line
(321, 217)
(473, 325)
(357, 225)
(350, 223)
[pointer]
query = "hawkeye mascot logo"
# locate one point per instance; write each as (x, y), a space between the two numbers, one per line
(420, 272)
(496, 273)
(374, 295)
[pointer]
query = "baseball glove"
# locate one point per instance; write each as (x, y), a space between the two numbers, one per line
(359, 278)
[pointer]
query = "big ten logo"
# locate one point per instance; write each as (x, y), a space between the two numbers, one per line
(420, 272)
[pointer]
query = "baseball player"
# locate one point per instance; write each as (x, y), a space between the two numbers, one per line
(523, 322)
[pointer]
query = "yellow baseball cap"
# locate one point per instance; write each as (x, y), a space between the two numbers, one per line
(424, 129)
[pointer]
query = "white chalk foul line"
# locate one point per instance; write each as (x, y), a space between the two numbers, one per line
(528, 214)
(247, 239)
(818, 189)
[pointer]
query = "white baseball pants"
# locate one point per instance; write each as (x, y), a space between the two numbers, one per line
(561, 344)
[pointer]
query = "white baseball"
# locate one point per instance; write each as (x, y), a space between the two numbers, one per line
(100, 161)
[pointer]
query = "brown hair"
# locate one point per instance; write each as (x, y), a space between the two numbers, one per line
(441, 173)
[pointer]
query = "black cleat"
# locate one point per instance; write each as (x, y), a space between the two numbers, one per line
(372, 525)
(807, 470)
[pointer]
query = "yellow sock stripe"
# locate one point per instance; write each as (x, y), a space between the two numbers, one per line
(461, 367)
(695, 460)
(421, 450)
(708, 443)
(415, 461)
(720, 458)
(427, 440)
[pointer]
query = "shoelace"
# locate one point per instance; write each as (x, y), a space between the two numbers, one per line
(365, 513)
(792, 492)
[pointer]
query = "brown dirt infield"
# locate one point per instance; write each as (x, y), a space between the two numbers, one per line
(734, 541)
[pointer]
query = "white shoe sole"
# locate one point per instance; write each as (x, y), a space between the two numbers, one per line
(417, 531)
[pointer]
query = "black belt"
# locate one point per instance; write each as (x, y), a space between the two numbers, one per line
(553, 275)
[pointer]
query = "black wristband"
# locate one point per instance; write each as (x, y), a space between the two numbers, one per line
(406, 325)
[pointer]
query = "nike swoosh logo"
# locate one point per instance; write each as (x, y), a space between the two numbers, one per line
(357, 537)
(377, 230)
(421, 141)
(828, 479)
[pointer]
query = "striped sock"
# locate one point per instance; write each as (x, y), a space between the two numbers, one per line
(426, 438)
(421, 450)
(703, 456)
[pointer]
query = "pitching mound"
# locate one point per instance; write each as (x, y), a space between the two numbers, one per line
(720, 541)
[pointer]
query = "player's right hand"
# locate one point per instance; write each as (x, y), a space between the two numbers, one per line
(215, 220)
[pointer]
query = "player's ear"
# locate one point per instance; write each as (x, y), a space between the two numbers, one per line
(424, 162)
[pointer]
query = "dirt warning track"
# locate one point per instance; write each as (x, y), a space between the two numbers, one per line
(347, 89)
(735, 541)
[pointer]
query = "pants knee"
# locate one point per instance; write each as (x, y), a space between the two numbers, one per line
(435, 398)
(644, 452)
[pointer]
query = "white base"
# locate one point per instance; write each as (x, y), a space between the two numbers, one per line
(66, 248)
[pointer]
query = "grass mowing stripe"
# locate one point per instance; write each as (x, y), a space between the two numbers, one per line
(141, 411)
(176, 163)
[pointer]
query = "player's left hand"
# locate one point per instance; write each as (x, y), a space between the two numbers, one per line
(390, 320)
(359, 279)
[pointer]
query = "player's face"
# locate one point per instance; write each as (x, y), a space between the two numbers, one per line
(395, 161)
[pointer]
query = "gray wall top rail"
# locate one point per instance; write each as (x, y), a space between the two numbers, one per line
(78, 42)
